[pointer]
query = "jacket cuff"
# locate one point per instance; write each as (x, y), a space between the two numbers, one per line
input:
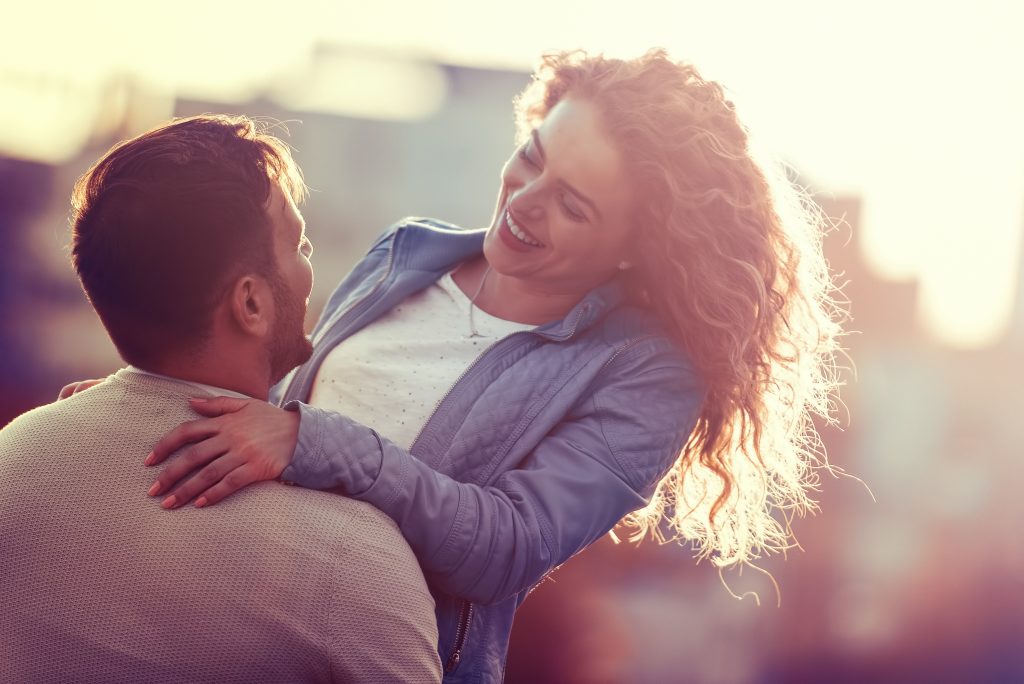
(333, 452)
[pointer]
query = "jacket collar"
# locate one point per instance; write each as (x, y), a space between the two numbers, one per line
(594, 306)
(436, 248)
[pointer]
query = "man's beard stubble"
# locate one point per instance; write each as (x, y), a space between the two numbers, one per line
(289, 346)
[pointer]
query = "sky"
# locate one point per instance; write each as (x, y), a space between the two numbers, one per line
(915, 106)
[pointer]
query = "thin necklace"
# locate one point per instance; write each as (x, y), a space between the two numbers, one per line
(472, 303)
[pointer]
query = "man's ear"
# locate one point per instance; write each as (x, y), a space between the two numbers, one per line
(251, 305)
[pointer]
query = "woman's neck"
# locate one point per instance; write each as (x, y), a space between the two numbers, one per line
(511, 299)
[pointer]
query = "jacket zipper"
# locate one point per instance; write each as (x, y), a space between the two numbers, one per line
(623, 348)
(465, 615)
(575, 324)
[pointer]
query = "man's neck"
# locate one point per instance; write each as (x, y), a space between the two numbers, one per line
(223, 376)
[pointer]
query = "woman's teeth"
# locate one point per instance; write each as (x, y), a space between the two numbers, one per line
(519, 233)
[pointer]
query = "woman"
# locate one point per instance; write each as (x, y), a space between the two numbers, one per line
(642, 333)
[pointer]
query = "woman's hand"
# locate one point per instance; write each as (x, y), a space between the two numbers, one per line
(241, 441)
(76, 387)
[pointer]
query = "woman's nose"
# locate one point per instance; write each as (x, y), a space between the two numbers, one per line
(527, 203)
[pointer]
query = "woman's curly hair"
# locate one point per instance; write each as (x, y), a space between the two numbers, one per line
(730, 257)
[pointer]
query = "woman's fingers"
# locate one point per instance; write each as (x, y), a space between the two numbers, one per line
(248, 442)
(217, 406)
(192, 431)
(67, 390)
(187, 490)
(76, 387)
(229, 484)
(195, 430)
(197, 456)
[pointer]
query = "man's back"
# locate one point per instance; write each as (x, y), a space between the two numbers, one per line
(276, 584)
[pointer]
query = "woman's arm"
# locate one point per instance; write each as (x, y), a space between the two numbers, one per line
(485, 543)
(481, 543)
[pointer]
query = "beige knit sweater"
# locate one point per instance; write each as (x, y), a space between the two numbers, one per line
(275, 584)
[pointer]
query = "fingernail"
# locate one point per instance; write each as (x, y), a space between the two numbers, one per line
(155, 489)
(201, 501)
(149, 459)
(198, 400)
(170, 501)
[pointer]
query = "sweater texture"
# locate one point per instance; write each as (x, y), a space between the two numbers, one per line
(274, 584)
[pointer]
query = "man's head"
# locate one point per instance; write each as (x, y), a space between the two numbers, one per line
(192, 226)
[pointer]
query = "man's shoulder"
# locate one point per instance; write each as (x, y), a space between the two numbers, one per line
(320, 519)
(53, 421)
(119, 407)
(325, 509)
(320, 538)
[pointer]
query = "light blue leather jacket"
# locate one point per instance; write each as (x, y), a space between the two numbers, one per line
(545, 442)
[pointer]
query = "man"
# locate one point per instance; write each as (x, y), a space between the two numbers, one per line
(189, 245)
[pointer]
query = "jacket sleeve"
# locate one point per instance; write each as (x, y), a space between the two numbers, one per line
(486, 543)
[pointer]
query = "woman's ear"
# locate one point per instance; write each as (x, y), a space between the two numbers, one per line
(251, 305)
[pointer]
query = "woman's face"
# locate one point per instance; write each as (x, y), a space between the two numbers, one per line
(562, 220)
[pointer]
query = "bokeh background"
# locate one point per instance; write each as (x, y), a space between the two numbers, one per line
(903, 118)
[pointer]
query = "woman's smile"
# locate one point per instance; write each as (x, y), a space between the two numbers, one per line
(515, 236)
(563, 216)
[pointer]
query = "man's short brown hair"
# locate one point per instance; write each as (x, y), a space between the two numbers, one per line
(165, 221)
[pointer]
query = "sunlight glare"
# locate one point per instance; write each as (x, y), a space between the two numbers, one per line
(913, 107)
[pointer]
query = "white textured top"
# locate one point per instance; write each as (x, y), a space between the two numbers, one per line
(391, 374)
(274, 584)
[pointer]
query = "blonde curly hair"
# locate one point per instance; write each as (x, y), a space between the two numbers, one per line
(731, 260)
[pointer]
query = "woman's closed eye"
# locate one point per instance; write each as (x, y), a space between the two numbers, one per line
(570, 208)
(569, 205)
